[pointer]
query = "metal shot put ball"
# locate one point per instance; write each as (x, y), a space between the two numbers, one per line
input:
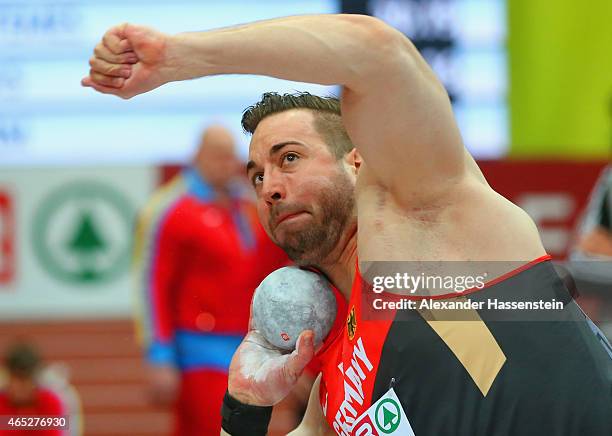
(291, 300)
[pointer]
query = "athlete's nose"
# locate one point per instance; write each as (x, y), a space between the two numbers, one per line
(273, 189)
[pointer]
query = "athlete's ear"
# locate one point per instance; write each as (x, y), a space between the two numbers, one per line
(353, 160)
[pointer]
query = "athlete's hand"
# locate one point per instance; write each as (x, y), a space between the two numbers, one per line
(260, 374)
(128, 61)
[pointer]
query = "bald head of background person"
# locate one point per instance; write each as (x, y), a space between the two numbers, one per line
(216, 159)
(418, 194)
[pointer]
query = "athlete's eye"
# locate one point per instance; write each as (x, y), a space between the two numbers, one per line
(290, 157)
(257, 179)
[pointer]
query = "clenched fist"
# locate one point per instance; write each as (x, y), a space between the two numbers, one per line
(128, 61)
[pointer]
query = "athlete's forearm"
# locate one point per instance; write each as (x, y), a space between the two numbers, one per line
(326, 49)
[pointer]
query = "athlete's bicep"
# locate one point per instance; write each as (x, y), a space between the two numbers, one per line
(401, 121)
(313, 423)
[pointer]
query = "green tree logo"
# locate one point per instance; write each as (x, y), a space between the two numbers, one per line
(82, 231)
(85, 244)
(387, 416)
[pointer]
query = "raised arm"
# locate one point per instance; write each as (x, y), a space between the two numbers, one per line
(395, 110)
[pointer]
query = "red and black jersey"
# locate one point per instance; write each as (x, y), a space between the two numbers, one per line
(513, 376)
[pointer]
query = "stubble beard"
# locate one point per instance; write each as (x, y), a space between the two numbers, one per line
(310, 246)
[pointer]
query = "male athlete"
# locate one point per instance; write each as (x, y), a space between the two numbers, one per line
(416, 195)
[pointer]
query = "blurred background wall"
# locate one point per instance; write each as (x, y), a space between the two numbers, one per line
(560, 83)
(531, 88)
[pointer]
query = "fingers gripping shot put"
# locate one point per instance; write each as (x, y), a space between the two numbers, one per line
(380, 175)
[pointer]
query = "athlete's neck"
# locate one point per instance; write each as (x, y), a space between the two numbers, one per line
(339, 266)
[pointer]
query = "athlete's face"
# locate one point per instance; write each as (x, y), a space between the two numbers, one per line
(305, 196)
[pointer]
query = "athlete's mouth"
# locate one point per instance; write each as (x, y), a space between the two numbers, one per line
(289, 216)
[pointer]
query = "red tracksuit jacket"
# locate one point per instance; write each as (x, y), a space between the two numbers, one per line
(198, 265)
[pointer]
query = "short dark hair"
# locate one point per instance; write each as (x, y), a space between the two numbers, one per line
(328, 118)
(22, 360)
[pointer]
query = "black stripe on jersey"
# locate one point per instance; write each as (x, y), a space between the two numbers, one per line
(557, 379)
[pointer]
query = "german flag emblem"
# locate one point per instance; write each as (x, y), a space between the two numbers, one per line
(351, 324)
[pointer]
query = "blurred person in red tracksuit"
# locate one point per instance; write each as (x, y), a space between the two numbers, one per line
(23, 394)
(200, 252)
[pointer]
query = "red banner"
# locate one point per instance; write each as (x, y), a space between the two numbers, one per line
(553, 193)
(7, 245)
